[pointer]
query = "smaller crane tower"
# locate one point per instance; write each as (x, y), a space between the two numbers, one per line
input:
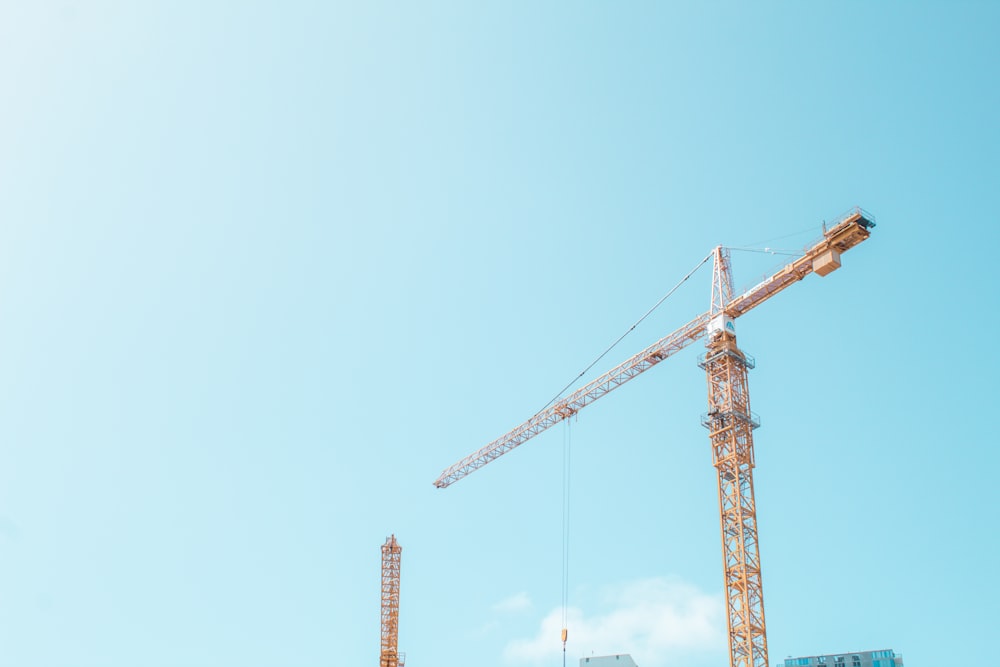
(390, 656)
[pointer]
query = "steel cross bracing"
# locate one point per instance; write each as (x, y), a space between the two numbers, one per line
(850, 230)
(730, 423)
(391, 552)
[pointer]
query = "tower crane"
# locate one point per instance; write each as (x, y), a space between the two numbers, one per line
(390, 656)
(729, 421)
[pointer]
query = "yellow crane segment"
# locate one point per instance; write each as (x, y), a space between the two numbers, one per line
(390, 655)
(729, 420)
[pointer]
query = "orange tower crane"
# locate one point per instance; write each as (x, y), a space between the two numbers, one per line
(729, 420)
(390, 656)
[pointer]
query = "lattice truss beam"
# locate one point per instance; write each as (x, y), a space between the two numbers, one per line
(569, 406)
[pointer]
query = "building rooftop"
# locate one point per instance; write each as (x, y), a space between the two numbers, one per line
(618, 660)
(879, 658)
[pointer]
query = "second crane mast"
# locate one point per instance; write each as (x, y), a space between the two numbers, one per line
(729, 421)
(389, 656)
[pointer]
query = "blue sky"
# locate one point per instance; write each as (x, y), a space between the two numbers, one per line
(267, 268)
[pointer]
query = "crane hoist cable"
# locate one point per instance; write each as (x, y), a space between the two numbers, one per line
(627, 332)
(567, 442)
(808, 230)
(767, 251)
(770, 251)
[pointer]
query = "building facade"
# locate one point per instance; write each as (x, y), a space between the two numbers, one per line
(880, 658)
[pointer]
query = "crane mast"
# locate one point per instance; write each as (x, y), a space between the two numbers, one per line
(730, 425)
(390, 656)
(729, 420)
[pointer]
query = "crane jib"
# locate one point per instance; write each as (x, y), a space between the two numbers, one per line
(822, 257)
(579, 399)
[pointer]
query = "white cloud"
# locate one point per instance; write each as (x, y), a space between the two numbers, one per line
(658, 621)
(515, 603)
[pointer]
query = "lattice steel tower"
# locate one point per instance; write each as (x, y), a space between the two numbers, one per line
(390, 656)
(730, 425)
